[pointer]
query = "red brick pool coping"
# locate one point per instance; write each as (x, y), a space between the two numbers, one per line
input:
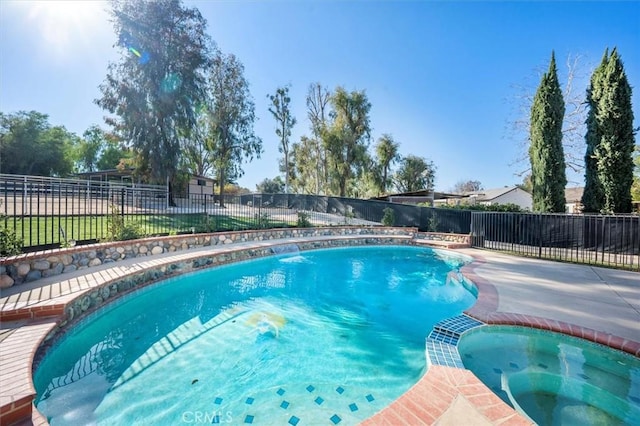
(427, 402)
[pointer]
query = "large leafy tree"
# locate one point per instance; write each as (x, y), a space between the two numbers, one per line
(231, 114)
(306, 176)
(196, 156)
(98, 150)
(271, 186)
(347, 139)
(154, 88)
(386, 154)
(311, 163)
(285, 121)
(415, 174)
(29, 145)
(610, 136)
(546, 153)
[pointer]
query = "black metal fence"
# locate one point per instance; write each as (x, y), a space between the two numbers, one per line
(46, 213)
(591, 239)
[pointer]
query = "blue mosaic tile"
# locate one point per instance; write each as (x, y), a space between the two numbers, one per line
(249, 419)
(218, 400)
(280, 391)
(340, 390)
(457, 325)
(216, 420)
(497, 371)
(249, 401)
(443, 337)
(513, 365)
(335, 419)
(310, 388)
(318, 401)
(541, 365)
(370, 398)
(294, 420)
(440, 353)
(284, 404)
(353, 407)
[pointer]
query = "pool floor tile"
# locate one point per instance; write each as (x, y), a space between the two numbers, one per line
(335, 419)
(294, 420)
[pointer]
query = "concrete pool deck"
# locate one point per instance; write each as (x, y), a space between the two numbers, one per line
(602, 305)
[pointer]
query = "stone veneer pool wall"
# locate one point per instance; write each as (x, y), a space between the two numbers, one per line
(15, 270)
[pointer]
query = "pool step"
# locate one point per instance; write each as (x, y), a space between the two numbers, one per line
(442, 342)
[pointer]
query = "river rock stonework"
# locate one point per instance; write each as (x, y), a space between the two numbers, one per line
(34, 266)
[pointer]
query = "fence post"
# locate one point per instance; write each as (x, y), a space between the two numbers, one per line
(539, 235)
(122, 194)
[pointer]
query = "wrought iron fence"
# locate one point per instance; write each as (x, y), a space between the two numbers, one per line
(590, 239)
(47, 213)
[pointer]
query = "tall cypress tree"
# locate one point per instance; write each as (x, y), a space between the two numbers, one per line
(593, 195)
(545, 153)
(610, 139)
(614, 153)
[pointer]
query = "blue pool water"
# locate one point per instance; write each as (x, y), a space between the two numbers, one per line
(327, 336)
(553, 378)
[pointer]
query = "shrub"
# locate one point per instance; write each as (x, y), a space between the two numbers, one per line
(433, 224)
(509, 207)
(262, 220)
(10, 244)
(118, 230)
(206, 224)
(303, 220)
(389, 217)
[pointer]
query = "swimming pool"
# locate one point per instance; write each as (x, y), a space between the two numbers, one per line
(328, 335)
(553, 378)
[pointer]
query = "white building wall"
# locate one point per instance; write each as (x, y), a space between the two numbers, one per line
(517, 196)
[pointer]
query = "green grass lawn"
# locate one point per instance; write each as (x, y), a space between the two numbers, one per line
(39, 231)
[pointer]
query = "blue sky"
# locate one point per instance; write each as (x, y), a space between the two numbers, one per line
(442, 77)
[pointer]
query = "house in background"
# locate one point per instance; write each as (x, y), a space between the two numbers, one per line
(507, 195)
(199, 186)
(424, 196)
(573, 198)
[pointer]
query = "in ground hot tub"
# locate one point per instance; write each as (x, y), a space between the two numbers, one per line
(555, 379)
